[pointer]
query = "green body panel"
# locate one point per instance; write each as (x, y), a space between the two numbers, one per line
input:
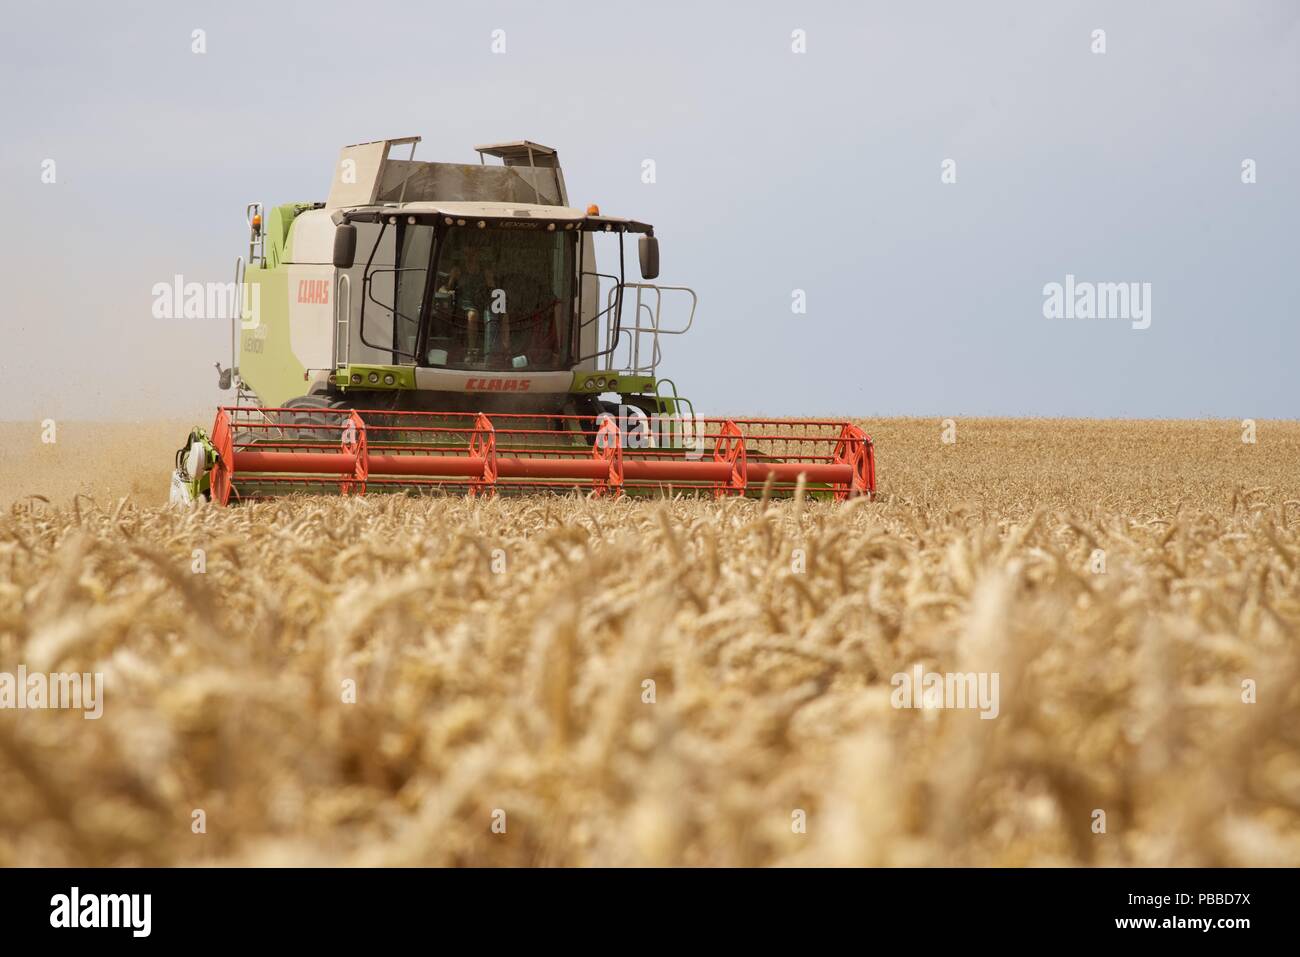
(266, 362)
(279, 244)
(606, 380)
(347, 376)
(199, 486)
(359, 376)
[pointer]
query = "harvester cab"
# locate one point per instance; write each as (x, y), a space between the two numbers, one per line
(439, 325)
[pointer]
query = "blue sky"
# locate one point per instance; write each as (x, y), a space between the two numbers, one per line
(776, 171)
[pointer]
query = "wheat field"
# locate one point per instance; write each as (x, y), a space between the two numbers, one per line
(566, 681)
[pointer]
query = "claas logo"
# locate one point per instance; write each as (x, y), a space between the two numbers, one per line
(315, 292)
(498, 385)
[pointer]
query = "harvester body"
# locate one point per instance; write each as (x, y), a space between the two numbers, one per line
(442, 325)
(512, 305)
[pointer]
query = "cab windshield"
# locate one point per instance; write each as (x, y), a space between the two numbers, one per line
(500, 298)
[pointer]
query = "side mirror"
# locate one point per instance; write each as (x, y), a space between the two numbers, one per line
(648, 248)
(345, 246)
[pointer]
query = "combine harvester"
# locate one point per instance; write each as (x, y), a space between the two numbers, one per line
(444, 326)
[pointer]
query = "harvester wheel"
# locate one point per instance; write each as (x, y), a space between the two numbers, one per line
(637, 426)
(311, 406)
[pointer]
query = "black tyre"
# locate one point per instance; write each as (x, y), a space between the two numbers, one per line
(302, 424)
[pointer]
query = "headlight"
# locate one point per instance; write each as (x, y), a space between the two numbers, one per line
(373, 377)
(600, 383)
(589, 384)
(389, 379)
(356, 377)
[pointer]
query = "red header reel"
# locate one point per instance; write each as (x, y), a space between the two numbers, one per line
(272, 451)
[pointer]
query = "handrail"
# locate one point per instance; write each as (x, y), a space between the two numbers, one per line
(236, 315)
(343, 320)
(654, 329)
(610, 313)
(256, 234)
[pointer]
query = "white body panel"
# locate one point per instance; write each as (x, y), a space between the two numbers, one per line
(313, 238)
(311, 315)
(356, 174)
(500, 383)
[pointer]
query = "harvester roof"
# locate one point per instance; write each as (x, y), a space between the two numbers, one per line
(519, 151)
(368, 173)
(495, 213)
